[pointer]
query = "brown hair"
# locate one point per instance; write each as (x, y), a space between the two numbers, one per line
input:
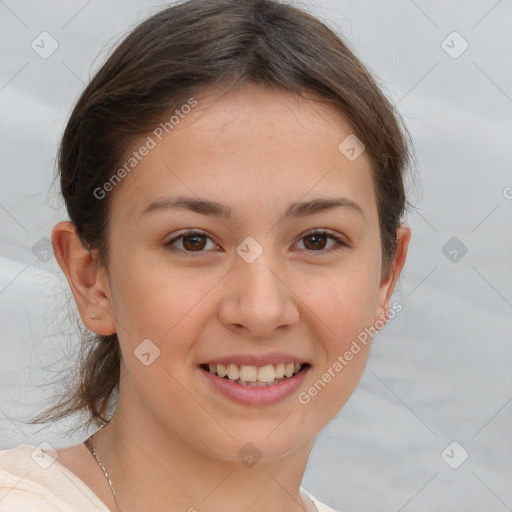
(185, 48)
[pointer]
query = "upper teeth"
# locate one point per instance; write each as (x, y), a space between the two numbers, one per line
(267, 373)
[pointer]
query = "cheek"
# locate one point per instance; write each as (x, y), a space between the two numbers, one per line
(161, 302)
(344, 300)
(344, 307)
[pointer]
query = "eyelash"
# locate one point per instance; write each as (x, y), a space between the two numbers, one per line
(340, 244)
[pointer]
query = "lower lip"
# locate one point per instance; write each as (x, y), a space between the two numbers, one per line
(256, 395)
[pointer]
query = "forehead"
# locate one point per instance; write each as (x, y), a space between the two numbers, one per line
(251, 147)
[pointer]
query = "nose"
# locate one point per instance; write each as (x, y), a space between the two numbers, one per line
(258, 300)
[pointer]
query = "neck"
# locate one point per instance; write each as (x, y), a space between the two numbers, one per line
(153, 469)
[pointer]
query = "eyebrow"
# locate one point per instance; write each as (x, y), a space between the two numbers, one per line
(213, 208)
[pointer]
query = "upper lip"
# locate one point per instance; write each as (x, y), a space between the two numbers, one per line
(256, 359)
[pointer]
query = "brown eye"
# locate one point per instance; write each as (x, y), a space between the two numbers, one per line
(315, 241)
(194, 242)
(318, 240)
(190, 242)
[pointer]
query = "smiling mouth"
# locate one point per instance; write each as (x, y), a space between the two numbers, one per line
(256, 376)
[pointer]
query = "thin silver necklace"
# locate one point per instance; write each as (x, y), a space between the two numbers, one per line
(90, 447)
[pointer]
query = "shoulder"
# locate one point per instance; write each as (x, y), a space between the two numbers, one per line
(321, 507)
(31, 479)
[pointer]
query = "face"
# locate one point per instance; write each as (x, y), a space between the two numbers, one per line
(291, 275)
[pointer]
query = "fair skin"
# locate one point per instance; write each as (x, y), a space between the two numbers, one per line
(172, 443)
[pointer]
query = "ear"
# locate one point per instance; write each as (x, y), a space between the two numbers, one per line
(87, 280)
(388, 282)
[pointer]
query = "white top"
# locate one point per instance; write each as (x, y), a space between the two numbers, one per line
(31, 480)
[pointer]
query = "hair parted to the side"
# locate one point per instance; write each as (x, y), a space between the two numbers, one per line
(186, 48)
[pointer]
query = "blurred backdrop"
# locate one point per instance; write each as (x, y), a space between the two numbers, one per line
(429, 427)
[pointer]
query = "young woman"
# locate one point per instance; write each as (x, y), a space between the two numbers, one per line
(234, 181)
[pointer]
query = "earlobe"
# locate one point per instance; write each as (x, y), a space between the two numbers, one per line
(388, 283)
(86, 279)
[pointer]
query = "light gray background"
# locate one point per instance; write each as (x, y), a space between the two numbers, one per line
(440, 371)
